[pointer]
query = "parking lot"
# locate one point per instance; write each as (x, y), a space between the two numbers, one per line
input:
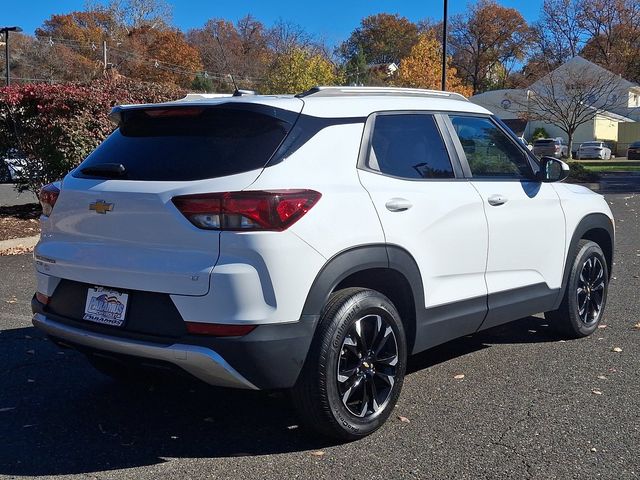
(529, 405)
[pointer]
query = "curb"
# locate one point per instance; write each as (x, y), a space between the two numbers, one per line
(19, 242)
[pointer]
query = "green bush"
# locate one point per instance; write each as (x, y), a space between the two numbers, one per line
(52, 128)
(579, 174)
(540, 133)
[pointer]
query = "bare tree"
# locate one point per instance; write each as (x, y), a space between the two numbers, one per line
(559, 33)
(568, 98)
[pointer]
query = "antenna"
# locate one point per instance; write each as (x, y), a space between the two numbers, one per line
(236, 92)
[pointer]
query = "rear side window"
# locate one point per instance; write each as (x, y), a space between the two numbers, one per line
(544, 142)
(409, 146)
(190, 143)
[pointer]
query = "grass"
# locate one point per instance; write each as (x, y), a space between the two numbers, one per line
(613, 168)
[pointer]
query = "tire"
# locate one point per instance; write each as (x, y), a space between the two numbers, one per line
(585, 295)
(352, 323)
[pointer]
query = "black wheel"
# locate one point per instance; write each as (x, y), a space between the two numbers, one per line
(585, 296)
(354, 372)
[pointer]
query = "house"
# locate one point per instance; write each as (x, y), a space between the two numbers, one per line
(621, 105)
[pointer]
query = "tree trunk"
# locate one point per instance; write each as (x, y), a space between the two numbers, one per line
(570, 146)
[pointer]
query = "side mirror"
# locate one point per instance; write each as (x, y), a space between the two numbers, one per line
(552, 170)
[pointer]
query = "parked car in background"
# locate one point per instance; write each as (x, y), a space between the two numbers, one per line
(574, 150)
(550, 147)
(10, 169)
(633, 152)
(598, 150)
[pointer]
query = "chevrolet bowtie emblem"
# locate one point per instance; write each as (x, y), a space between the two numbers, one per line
(100, 206)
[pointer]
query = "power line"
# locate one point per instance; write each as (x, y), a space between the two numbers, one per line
(127, 55)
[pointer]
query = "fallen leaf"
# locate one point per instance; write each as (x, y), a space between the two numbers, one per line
(7, 409)
(602, 326)
(593, 449)
(30, 380)
(459, 376)
(637, 326)
(31, 352)
(596, 392)
(602, 377)
(28, 425)
(532, 331)
(317, 453)
(173, 437)
(403, 419)
(292, 427)
(616, 349)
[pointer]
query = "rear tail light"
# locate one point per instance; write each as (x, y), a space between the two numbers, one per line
(219, 330)
(48, 196)
(42, 298)
(274, 210)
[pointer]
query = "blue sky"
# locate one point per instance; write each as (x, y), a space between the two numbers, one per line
(331, 20)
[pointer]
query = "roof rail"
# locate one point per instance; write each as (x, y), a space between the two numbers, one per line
(378, 91)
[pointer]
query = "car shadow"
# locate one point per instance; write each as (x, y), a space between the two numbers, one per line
(59, 416)
(525, 330)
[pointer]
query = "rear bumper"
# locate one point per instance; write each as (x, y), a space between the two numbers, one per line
(270, 357)
(201, 362)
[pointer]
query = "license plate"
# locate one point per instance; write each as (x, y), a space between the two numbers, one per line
(106, 306)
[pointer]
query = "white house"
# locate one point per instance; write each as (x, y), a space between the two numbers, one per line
(622, 103)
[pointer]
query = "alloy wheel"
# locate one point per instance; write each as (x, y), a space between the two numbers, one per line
(590, 291)
(367, 366)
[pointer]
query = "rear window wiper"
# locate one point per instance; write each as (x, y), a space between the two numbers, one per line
(109, 170)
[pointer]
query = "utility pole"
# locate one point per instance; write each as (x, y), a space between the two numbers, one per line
(444, 46)
(104, 57)
(6, 31)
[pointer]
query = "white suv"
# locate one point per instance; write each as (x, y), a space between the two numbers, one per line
(312, 242)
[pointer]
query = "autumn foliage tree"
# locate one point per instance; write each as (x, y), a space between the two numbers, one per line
(423, 67)
(485, 40)
(52, 128)
(162, 56)
(299, 70)
(383, 38)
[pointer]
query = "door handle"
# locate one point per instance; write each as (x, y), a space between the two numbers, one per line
(398, 204)
(497, 199)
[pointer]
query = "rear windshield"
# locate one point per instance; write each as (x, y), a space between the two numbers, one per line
(544, 142)
(591, 144)
(190, 143)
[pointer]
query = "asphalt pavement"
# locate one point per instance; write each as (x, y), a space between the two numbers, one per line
(10, 196)
(529, 405)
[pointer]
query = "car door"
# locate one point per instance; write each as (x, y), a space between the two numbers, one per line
(427, 208)
(526, 222)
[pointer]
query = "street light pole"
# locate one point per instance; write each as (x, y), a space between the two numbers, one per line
(6, 31)
(444, 46)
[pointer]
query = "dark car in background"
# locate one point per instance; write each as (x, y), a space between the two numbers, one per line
(633, 152)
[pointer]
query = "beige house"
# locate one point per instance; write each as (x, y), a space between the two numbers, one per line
(623, 104)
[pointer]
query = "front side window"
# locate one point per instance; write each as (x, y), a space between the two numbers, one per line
(409, 146)
(489, 151)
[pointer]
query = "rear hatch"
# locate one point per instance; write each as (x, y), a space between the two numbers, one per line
(545, 147)
(114, 223)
